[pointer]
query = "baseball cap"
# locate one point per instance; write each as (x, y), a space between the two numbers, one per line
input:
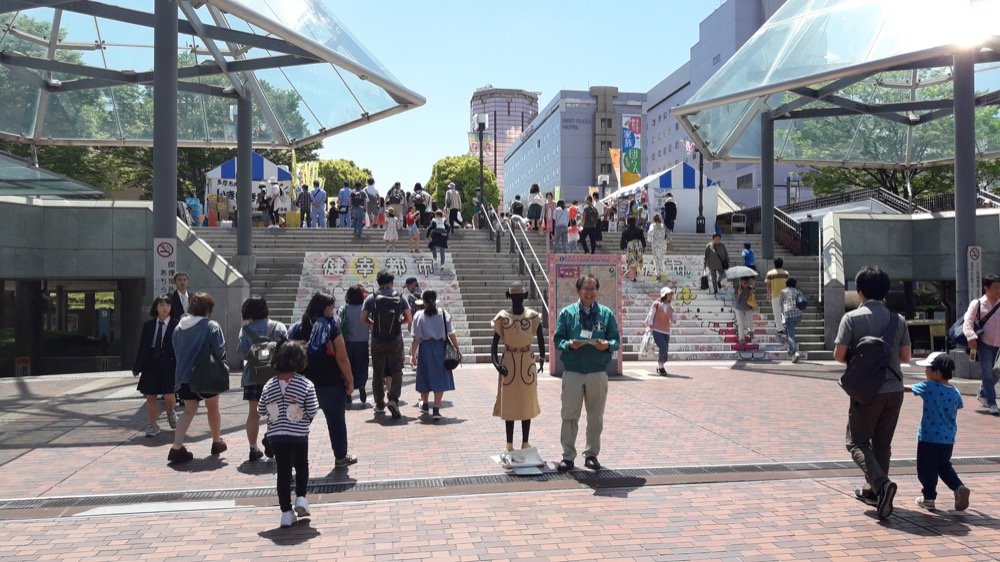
(939, 361)
(665, 291)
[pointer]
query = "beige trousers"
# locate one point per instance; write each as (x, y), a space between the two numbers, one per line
(579, 390)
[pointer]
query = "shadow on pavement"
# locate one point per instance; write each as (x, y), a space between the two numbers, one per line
(298, 533)
(207, 464)
(257, 467)
(608, 482)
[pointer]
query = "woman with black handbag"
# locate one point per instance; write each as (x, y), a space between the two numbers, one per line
(432, 332)
(195, 336)
(155, 363)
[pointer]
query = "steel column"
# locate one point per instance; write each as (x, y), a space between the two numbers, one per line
(965, 171)
(165, 120)
(767, 186)
(244, 179)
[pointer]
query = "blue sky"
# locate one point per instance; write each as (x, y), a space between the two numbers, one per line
(445, 49)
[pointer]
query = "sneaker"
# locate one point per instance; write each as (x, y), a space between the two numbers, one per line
(661, 371)
(301, 506)
(565, 465)
(425, 408)
(345, 462)
(255, 454)
(926, 504)
(962, 498)
(219, 447)
(394, 410)
(796, 357)
(288, 518)
(885, 499)
(437, 415)
(379, 410)
(268, 452)
(982, 400)
(592, 463)
(179, 455)
(866, 496)
(172, 419)
(152, 430)
(994, 410)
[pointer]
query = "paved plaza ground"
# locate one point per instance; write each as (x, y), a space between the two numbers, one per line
(726, 461)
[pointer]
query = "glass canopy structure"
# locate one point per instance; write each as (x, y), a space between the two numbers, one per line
(856, 83)
(81, 72)
(18, 177)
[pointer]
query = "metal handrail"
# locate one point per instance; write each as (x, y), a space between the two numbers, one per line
(531, 247)
(496, 232)
(515, 244)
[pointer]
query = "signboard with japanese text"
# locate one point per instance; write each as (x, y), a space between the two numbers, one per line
(631, 149)
(164, 265)
(564, 270)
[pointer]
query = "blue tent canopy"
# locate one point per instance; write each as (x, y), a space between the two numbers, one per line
(262, 169)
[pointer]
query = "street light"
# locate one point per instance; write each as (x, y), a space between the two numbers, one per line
(699, 225)
(482, 122)
(602, 180)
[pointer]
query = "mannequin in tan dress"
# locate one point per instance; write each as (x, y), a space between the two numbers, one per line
(517, 387)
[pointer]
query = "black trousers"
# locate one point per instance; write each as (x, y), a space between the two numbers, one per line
(870, 428)
(288, 454)
(934, 460)
(592, 234)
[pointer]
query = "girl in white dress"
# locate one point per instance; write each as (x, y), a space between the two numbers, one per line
(391, 230)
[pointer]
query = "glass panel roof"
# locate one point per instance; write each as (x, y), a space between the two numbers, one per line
(869, 53)
(326, 81)
(18, 177)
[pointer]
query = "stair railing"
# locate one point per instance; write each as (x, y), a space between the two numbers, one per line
(530, 266)
(495, 224)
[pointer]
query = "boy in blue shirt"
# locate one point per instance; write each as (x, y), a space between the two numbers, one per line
(938, 426)
(749, 259)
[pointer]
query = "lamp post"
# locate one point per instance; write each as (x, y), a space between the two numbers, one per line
(602, 180)
(482, 122)
(699, 225)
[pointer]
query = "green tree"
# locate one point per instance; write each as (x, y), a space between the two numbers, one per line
(464, 171)
(336, 172)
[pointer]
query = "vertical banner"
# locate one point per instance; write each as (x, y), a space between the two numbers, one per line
(616, 164)
(631, 149)
(488, 143)
(564, 270)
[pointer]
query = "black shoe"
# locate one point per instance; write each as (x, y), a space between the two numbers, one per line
(268, 452)
(219, 447)
(565, 465)
(394, 409)
(425, 408)
(592, 463)
(866, 496)
(179, 455)
(885, 500)
(662, 372)
(345, 462)
(363, 395)
(255, 455)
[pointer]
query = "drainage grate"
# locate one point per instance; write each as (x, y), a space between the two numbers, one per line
(628, 477)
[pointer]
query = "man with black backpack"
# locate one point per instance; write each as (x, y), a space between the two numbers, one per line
(873, 341)
(384, 312)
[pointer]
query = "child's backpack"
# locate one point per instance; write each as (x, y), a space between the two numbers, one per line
(868, 362)
(357, 198)
(385, 321)
(259, 356)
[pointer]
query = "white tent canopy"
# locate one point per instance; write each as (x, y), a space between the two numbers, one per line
(681, 182)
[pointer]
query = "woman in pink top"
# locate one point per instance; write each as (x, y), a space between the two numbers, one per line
(983, 347)
(658, 321)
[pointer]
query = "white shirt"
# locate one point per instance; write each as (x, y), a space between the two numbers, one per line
(184, 300)
(372, 192)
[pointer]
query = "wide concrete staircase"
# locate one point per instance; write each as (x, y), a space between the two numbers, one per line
(293, 263)
(707, 322)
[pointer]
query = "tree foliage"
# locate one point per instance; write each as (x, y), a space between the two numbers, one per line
(336, 172)
(464, 171)
(866, 138)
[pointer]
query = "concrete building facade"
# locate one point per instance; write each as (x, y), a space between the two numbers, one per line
(510, 112)
(721, 34)
(567, 146)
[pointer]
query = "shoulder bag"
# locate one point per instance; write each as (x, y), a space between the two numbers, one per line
(451, 357)
(210, 374)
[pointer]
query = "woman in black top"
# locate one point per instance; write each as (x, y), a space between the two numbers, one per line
(155, 363)
(634, 244)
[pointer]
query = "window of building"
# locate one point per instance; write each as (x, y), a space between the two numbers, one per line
(605, 123)
(716, 59)
(677, 126)
(716, 165)
(744, 182)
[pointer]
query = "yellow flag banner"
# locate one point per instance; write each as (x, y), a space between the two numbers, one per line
(616, 164)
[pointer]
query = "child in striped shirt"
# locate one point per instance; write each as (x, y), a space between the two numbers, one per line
(289, 401)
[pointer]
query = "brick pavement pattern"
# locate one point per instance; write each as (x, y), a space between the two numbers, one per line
(69, 436)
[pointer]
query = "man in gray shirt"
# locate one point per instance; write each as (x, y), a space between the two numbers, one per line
(871, 425)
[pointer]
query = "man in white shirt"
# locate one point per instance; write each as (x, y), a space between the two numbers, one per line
(560, 221)
(372, 192)
(453, 202)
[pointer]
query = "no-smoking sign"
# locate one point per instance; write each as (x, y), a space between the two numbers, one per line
(165, 249)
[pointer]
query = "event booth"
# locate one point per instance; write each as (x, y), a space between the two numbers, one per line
(220, 184)
(680, 181)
